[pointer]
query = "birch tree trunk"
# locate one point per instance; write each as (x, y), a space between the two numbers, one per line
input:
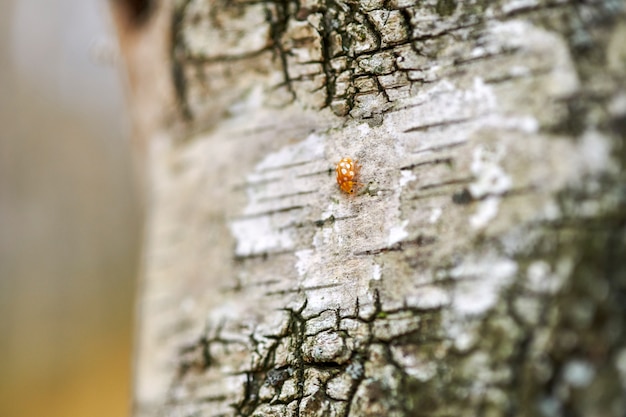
(477, 271)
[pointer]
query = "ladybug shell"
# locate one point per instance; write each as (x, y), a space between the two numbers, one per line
(346, 174)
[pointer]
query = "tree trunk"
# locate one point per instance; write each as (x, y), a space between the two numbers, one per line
(478, 269)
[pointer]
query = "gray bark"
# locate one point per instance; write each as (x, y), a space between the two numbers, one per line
(479, 269)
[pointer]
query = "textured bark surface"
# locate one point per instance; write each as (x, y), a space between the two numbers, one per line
(478, 271)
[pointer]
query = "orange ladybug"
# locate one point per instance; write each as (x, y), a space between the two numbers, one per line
(347, 171)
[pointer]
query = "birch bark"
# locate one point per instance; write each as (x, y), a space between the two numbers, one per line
(479, 269)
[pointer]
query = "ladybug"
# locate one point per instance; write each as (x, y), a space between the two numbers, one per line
(346, 173)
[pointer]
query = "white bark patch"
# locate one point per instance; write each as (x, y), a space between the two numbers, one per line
(578, 373)
(463, 333)
(549, 50)
(329, 281)
(526, 124)
(376, 272)
(413, 362)
(304, 259)
(528, 308)
(541, 279)
(617, 106)
(309, 149)
(335, 284)
(490, 177)
(486, 211)
(594, 151)
(259, 235)
(514, 5)
(406, 177)
(428, 297)
(397, 233)
(263, 227)
(435, 214)
(479, 284)
(490, 180)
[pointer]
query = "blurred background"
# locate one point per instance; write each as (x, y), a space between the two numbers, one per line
(69, 213)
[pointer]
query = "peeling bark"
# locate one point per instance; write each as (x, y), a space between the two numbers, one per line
(479, 269)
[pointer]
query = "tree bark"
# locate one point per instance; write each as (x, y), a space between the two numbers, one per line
(477, 271)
